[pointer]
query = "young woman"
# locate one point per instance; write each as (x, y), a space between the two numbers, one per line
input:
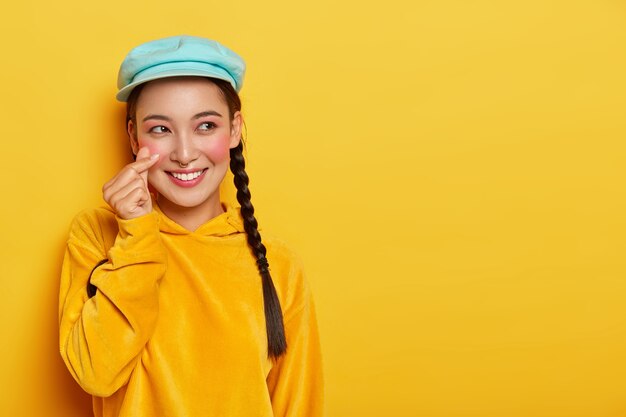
(171, 304)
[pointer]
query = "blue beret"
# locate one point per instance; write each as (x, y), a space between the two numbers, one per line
(179, 56)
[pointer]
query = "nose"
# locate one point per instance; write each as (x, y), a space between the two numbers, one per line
(184, 151)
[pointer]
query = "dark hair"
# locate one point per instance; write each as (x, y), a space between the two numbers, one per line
(276, 342)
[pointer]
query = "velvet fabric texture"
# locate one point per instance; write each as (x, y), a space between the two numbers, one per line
(177, 326)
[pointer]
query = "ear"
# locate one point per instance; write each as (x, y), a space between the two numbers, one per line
(132, 137)
(235, 129)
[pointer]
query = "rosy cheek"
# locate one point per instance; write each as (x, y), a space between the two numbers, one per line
(218, 150)
(154, 148)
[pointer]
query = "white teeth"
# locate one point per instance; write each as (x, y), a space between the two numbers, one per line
(187, 177)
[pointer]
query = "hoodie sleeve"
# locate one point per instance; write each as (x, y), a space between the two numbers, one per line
(102, 337)
(295, 382)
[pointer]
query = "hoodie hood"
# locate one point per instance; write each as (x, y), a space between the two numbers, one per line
(228, 223)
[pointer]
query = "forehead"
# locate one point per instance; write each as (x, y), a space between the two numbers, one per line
(180, 95)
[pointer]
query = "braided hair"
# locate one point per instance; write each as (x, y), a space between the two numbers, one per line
(273, 314)
(275, 329)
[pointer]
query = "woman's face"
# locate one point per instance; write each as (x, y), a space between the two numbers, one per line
(187, 122)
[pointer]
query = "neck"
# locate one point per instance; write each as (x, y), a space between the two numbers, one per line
(192, 217)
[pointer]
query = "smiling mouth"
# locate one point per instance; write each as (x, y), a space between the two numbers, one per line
(188, 176)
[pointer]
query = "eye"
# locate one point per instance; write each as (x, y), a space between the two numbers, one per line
(159, 129)
(207, 126)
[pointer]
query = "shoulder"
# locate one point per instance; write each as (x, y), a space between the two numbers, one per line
(93, 220)
(286, 269)
(280, 251)
(288, 276)
(93, 228)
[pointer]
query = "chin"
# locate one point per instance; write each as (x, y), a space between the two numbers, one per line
(188, 202)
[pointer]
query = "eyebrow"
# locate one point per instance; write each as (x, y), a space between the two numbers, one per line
(167, 119)
(156, 117)
(206, 113)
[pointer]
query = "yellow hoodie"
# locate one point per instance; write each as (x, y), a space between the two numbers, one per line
(177, 325)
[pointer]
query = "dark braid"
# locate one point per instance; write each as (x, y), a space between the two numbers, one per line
(277, 345)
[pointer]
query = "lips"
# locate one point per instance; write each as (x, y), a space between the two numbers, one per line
(187, 178)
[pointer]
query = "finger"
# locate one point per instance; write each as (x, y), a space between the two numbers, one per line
(144, 162)
(111, 182)
(144, 152)
(138, 169)
(126, 193)
(112, 197)
(121, 180)
(136, 203)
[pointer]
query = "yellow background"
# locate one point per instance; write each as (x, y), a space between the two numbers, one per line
(451, 172)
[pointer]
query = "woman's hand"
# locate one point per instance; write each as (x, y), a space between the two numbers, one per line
(127, 193)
